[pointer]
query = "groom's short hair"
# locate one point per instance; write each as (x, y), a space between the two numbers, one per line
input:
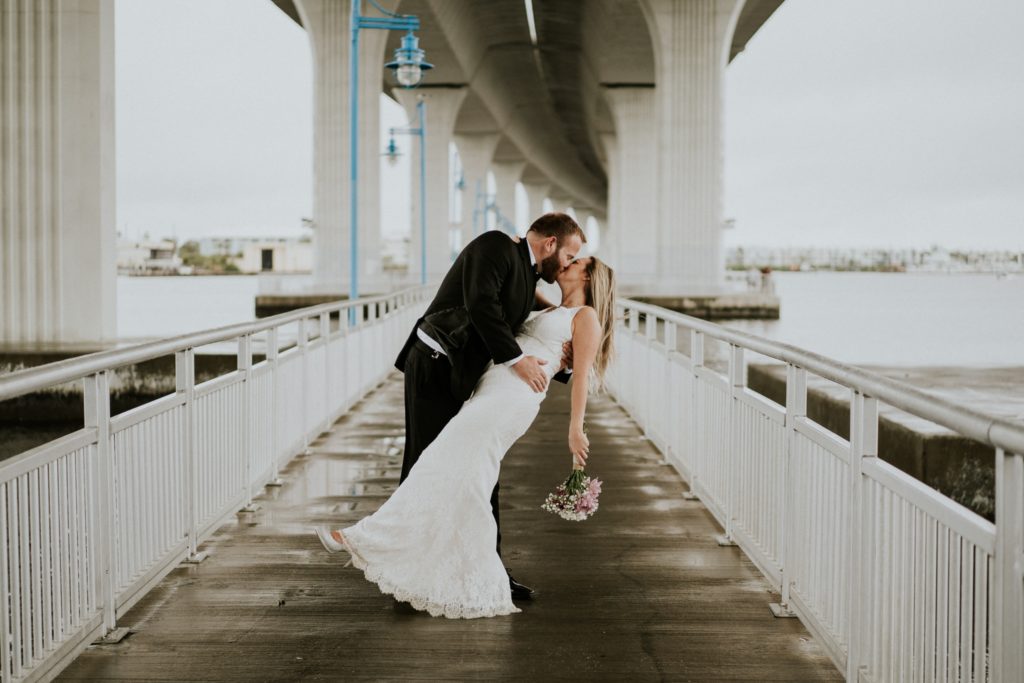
(558, 225)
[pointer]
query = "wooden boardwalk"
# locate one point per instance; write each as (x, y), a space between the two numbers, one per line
(640, 592)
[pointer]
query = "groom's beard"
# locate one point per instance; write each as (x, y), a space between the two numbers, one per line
(550, 268)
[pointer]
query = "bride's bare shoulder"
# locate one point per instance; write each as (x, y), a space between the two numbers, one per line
(586, 315)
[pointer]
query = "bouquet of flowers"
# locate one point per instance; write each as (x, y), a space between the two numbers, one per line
(576, 498)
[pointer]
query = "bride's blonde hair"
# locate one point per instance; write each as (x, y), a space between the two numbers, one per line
(600, 295)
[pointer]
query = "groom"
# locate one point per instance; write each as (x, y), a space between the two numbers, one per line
(484, 298)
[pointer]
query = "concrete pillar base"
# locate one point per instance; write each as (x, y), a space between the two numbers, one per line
(747, 306)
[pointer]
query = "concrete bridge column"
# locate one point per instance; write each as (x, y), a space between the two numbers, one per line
(327, 24)
(611, 229)
(560, 201)
(476, 151)
(536, 193)
(506, 175)
(583, 216)
(691, 43)
(633, 185)
(601, 228)
(442, 107)
(57, 203)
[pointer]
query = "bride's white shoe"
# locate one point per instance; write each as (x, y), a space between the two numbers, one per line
(330, 545)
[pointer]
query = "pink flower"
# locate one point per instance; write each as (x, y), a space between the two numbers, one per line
(586, 504)
(575, 499)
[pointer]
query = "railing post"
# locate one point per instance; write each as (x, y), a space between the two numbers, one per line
(1008, 619)
(185, 385)
(696, 362)
(96, 401)
(672, 407)
(275, 411)
(863, 444)
(737, 382)
(647, 386)
(303, 343)
(325, 339)
(245, 368)
(344, 325)
(796, 408)
(697, 348)
(632, 374)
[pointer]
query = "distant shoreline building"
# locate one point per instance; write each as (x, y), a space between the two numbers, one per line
(274, 255)
(934, 259)
(148, 257)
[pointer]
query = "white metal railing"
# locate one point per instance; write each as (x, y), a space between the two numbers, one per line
(899, 582)
(91, 521)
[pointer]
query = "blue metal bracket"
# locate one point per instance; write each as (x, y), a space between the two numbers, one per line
(387, 24)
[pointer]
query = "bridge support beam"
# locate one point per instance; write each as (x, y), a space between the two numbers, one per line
(441, 108)
(476, 150)
(327, 22)
(633, 186)
(57, 207)
(506, 175)
(691, 43)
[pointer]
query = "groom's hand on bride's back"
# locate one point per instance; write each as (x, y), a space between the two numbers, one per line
(566, 357)
(530, 371)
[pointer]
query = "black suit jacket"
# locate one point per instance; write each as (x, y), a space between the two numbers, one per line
(484, 298)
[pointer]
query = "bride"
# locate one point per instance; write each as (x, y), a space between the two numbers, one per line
(432, 543)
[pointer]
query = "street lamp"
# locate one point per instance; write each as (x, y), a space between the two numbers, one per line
(392, 153)
(408, 64)
(409, 67)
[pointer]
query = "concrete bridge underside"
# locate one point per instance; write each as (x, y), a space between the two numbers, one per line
(611, 107)
(639, 592)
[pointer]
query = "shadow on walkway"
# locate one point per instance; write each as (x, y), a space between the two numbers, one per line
(639, 592)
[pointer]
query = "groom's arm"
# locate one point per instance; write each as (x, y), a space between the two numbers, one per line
(484, 272)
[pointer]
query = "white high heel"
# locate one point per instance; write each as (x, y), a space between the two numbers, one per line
(330, 545)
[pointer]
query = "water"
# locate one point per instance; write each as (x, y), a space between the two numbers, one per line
(900, 319)
(149, 307)
(892, 319)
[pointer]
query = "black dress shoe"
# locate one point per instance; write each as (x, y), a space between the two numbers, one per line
(519, 591)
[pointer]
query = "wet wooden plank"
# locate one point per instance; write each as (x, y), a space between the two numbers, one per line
(639, 592)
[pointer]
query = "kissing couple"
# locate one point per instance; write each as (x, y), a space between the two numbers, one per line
(477, 366)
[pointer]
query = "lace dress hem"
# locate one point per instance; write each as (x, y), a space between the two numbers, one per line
(376, 576)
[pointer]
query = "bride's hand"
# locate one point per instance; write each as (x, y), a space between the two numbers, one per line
(579, 446)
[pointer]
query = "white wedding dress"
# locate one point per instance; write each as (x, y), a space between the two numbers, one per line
(432, 543)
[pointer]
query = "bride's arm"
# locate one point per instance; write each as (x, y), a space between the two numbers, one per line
(586, 335)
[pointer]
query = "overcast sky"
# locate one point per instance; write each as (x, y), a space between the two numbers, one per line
(849, 123)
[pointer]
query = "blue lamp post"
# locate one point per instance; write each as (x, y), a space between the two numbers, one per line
(392, 153)
(409, 67)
